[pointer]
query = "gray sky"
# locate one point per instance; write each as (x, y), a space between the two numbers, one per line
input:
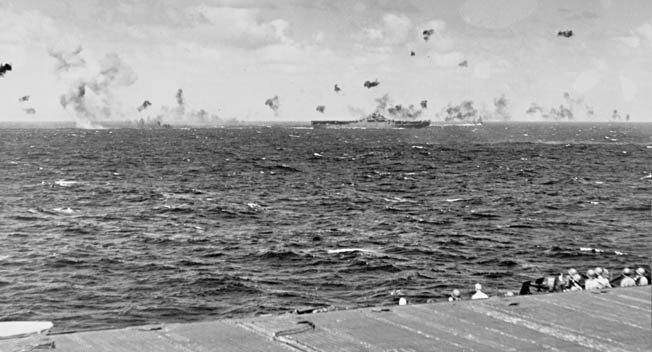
(229, 56)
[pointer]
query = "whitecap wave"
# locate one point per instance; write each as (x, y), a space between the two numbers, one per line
(64, 183)
(349, 250)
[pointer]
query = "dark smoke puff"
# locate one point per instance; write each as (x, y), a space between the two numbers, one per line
(180, 111)
(24, 98)
(397, 111)
(113, 73)
(337, 88)
(4, 68)
(369, 84)
(463, 64)
(75, 98)
(401, 112)
(534, 108)
(424, 104)
(30, 111)
(273, 104)
(502, 108)
(144, 105)
(179, 97)
(427, 33)
(320, 108)
(382, 103)
(566, 34)
(464, 113)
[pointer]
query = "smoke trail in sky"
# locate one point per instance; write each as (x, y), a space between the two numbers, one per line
(355, 111)
(273, 104)
(463, 113)
(381, 103)
(181, 114)
(570, 109)
(67, 60)
(400, 112)
(501, 106)
(92, 98)
(320, 108)
(179, 98)
(181, 104)
(144, 105)
(75, 98)
(24, 100)
(385, 106)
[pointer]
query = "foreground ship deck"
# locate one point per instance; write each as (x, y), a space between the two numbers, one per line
(610, 320)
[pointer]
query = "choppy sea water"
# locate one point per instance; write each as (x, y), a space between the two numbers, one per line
(110, 228)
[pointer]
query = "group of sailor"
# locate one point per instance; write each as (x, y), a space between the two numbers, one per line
(598, 278)
(639, 280)
(595, 279)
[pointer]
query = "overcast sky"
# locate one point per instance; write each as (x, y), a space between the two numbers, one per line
(229, 56)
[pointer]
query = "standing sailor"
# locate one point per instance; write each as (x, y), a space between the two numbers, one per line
(627, 281)
(640, 279)
(592, 282)
(601, 281)
(478, 293)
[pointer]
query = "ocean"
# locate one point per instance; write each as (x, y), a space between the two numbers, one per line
(117, 227)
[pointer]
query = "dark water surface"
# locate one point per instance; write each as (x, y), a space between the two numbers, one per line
(108, 228)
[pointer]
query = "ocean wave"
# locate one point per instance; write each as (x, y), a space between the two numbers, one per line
(185, 220)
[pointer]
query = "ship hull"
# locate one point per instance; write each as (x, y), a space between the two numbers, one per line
(371, 124)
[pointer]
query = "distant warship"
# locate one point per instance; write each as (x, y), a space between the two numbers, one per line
(375, 120)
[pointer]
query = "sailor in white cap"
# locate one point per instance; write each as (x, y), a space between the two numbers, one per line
(640, 279)
(574, 284)
(455, 296)
(592, 282)
(627, 281)
(601, 281)
(478, 293)
(574, 280)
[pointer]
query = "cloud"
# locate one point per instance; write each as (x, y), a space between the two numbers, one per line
(645, 33)
(628, 88)
(486, 69)
(584, 15)
(318, 37)
(371, 34)
(586, 81)
(281, 53)
(641, 35)
(92, 98)
(449, 59)
(394, 30)
(236, 27)
(497, 13)
(631, 41)
(20, 27)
